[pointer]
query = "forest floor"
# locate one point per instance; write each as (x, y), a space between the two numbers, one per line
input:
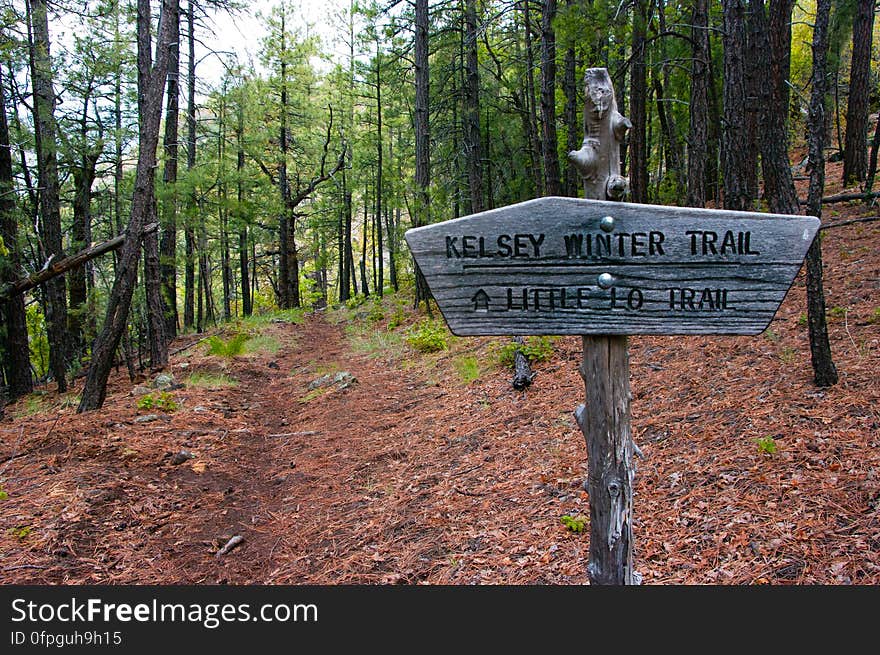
(410, 468)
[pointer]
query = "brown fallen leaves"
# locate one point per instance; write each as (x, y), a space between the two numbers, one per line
(413, 476)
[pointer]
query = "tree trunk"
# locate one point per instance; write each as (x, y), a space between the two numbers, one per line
(638, 89)
(698, 137)
(349, 245)
(46, 134)
(223, 209)
(779, 187)
(247, 306)
(872, 161)
(391, 225)
(344, 242)
(205, 280)
(365, 289)
(118, 173)
(571, 186)
(735, 156)
(81, 237)
(552, 174)
(189, 290)
(380, 189)
(713, 182)
(755, 81)
(473, 145)
(422, 137)
(780, 55)
(285, 291)
(674, 148)
(153, 289)
(570, 182)
(855, 149)
(14, 351)
(824, 371)
(151, 87)
(530, 103)
(168, 240)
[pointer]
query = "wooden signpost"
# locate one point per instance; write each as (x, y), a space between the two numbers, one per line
(605, 270)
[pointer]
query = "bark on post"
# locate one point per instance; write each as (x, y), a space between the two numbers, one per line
(604, 418)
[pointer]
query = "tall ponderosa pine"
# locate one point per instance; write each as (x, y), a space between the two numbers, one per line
(471, 118)
(168, 241)
(855, 149)
(14, 350)
(549, 142)
(824, 371)
(189, 233)
(46, 133)
(736, 161)
(638, 112)
(701, 80)
(151, 90)
(84, 171)
(779, 189)
(422, 138)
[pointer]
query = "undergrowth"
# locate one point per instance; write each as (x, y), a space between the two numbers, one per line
(535, 349)
(163, 401)
(428, 336)
(227, 348)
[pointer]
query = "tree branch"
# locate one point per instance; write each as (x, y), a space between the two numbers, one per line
(63, 265)
(323, 175)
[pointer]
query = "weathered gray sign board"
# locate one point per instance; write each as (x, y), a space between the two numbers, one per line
(573, 266)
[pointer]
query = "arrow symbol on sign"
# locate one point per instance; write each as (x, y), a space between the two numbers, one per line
(481, 301)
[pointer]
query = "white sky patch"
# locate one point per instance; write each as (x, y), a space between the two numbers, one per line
(242, 33)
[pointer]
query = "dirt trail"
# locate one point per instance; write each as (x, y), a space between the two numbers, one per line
(276, 462)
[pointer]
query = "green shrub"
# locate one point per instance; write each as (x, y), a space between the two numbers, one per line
(875, 316)
(766, 445)
(574, 523)
(376, 313)
(21, 532)
(355, 302)
(398, 318)
(837, 312)
(230, 348)
(428, 336)
(536, 349)
(163, 401)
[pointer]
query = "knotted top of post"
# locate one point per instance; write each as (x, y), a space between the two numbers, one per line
(598, 160)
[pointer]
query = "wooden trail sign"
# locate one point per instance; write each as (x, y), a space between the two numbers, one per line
(606, 270)
(573, 266)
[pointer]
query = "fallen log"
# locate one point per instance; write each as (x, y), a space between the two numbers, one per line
(63, 265)
(846, 197)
